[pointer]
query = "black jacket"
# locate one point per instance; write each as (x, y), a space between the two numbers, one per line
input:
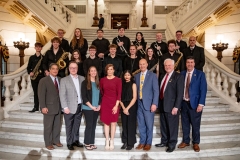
(87, 94)
(198, 54)
(117, 63)
(102, 46)
(82, 50)
(33, 60)
(126, 43)
(163, 45)
(96, 62)
(182, 45)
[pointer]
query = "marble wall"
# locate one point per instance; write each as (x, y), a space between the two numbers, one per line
(11, 30)
(229, 30)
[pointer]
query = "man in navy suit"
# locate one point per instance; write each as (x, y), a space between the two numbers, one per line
(148, 93)
(196, 52)
(171, 93)
(194, 97)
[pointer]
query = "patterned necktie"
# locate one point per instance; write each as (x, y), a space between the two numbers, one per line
(141, 85)
(162, 88)
(187, 86)
(56, 84)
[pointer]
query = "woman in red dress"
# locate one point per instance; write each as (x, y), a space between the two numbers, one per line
(111, 90)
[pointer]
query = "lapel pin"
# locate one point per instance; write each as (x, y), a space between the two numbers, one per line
(194, 74)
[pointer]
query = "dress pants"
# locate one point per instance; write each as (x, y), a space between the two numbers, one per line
(129, 125)
(189, 116)
(145, 120)
(91, 122)
(51, 128)
(34, 84)
(72, 123)
(169, 128)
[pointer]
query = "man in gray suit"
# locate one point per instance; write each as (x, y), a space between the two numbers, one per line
(71, 101)
(49, 101)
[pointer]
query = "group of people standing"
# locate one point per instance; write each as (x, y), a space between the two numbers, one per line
(132, 80)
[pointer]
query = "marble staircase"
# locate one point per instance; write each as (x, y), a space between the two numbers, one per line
(22, 134)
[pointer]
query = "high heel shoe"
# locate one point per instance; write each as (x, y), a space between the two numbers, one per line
(111, 145)
(107, 144)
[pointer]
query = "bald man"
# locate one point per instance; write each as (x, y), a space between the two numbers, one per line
(148, 93)
(159, 45)
(196, 52)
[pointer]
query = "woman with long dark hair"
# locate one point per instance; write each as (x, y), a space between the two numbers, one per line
(128, 110)
(76, 56)
(140, 44)
(80, 43)
(90, 92)
(152, 61)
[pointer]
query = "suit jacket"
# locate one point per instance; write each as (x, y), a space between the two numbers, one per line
(150, 90)
(198, 54)
(173, 93)
(197, 88)
(68, 93)
(48, 95)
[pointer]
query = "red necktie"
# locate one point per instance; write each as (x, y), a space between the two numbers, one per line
(163, 86)
(56, 84)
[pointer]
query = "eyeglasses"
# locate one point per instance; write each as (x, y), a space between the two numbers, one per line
(73, 68)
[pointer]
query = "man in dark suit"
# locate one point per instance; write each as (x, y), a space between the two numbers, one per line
(196, 52)
(49, 101)
(194, 97)
(171, 92)
(147, 88)
(71, 102)
(181, 45)
(101, 21)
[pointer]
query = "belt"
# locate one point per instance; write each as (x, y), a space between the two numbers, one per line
(187, 101)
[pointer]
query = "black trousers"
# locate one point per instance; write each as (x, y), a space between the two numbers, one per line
(129, 125)
(91, 122)
(190, 116)
(35, 91)
(72, 123)
(169, 128)
(51, 128)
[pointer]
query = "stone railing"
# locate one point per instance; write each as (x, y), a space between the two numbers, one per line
(192, 16)
(55, 15)
(221, 80)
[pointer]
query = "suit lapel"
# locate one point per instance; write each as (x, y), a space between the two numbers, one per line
(170, 80)
(71, 82)
(194, 76)
(146, 77)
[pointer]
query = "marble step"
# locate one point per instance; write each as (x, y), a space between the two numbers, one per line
(38, 125)
(207, 116)
(37, 136)
(10, 156)
(37, 148)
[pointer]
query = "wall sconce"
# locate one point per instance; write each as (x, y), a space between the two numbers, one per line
(21, 45)
(219, 47)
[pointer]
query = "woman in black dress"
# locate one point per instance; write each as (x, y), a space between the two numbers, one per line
(132, 63)
(80, 43)
(152, 61)
(128, 111)
(140, 44)
(76, 56)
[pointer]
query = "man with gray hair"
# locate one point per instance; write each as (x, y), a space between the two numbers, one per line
(171, 92)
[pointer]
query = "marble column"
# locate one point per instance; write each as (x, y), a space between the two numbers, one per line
(95, 18)
(144, 18)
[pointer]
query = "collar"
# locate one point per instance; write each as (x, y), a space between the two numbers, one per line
(191, 71)
(74, 77)
(145, 72)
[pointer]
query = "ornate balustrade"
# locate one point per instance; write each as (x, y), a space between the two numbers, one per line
(47, 16)
(221, 80)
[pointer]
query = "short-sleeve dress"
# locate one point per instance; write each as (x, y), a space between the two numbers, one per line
(111, 91)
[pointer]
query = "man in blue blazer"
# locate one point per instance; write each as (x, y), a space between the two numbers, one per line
(171, 93)
(195, 90)
(148, 93)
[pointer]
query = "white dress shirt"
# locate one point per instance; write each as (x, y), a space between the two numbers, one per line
(76, 84)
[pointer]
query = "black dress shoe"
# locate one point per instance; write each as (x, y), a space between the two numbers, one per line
(70, 147)
(169, 149)
(77, 144)
(33, 110)
(124, 146)
(160, 145)
(129, 148)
